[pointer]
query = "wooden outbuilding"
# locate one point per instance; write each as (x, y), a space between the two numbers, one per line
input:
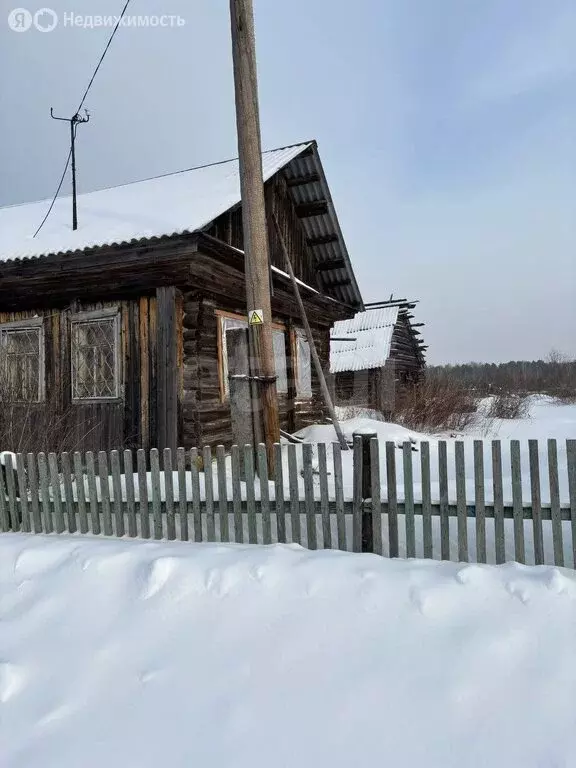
(115, 335)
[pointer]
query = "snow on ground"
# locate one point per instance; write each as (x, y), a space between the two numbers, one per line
(131, 654)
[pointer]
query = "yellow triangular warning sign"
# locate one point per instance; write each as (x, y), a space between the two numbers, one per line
(256, 317)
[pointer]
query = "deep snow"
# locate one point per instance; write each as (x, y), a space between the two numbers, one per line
(130, 654)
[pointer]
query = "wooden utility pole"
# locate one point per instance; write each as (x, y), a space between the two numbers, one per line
(256, 258)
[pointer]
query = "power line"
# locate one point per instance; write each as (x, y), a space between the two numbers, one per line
(86, 92)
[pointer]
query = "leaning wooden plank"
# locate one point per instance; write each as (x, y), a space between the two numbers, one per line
(222, 493)
(517, 509)
(294, 495)
(428, 544)
(143, 504)
(309, 496)
(169, 494)
(80, 492)
(479, 501)
(4, 510)
(182, 493)
(357, 500)
(250, 497)
(117, 492)
(209, 491)
(534, 459)
(571, 466)
(130, 494)
(376, 493)
(196, 497)
(92, 493)
(557, 539)
(45, 490)
(237, 495)
(497, 487)
(23, 493)
(68, 492)
(156, 493)
(13, 503)
(279, 494)
(461, 513)
(409, 499)
(444, 509)
(56, 493)
(34, 493)
(105, 493)
(339, 496)
(324, 497)
(392, 499)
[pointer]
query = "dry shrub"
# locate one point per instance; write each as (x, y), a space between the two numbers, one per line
(436, 406)
(508, 405)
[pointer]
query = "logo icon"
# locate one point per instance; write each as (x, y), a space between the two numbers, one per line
(45, 20)
(20, 20)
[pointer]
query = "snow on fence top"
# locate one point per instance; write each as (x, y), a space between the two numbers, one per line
(369, 337)
(169, 205)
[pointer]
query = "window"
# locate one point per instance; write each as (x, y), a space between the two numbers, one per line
(22, 361)
(229, 322)
(303, 366)
(95, 356)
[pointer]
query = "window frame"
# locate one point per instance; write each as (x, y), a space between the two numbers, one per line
(30, 324)
(93, 316)
(222, 314)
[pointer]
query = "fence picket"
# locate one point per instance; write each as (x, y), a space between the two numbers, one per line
(461, 510)
(312, 542)
(555, 512)
(339, 496)
(498, 491)
(23, 493)
(536, 501)
(156, 493)
(169, 494)
(222, 493)
(130, 494)
(117, 494)
(444, 509)
(34, 493)
(143, 503)
(428, 541)
(68, 492)
(182, 494)
(571, 467)
(237, 496)
(357, 501)
(250, 496)
(392, 499)
(480, 501)
(264, 494)
(409, 499)
(80, 492)
(279, 494)
(11, 488)
(92, 493)
(4, 510)
(324, 497)
(209, 494)
(517, 507)
(105, 492)
(196, 508)
(45, 490)
(376, 493)
(56, 493)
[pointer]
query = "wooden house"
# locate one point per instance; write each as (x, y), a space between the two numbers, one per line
(114, 335)
(376, 354)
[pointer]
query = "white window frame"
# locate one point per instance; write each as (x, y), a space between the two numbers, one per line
(33, 324)
(95, 316)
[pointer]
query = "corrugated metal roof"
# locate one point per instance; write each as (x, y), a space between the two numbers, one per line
(173, 204)
(370, 339)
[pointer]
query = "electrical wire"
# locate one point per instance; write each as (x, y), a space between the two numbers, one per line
(86, 92)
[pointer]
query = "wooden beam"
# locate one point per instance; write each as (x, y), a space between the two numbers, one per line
(338, 283)
(299, 181)
(315, 208)
(326, 266)
(312, 242)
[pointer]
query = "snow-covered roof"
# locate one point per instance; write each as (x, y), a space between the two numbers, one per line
(173, 204)
(368, 340)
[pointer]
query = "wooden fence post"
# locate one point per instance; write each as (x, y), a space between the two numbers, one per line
(366, 488)
(240, 387)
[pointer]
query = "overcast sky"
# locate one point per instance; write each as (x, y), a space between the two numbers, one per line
(447, 129)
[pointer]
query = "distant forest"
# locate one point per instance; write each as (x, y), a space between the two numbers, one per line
(555, 376)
